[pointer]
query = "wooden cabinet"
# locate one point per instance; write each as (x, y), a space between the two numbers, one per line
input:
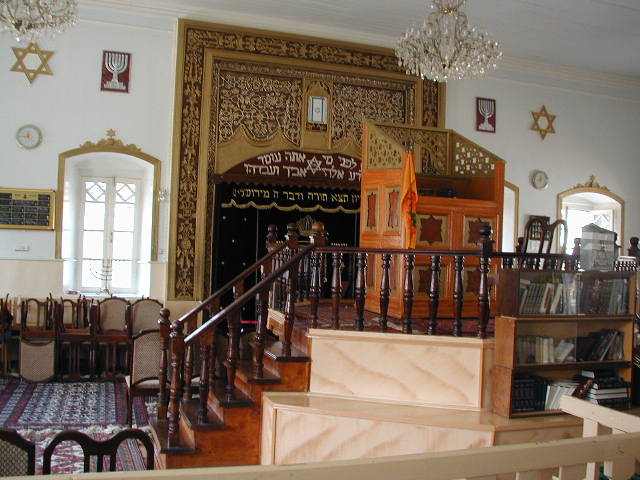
(590, 329)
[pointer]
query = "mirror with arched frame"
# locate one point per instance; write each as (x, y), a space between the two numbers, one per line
(591, 203)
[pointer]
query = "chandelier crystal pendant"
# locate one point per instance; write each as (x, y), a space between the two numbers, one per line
(30, 19)
(445, 47)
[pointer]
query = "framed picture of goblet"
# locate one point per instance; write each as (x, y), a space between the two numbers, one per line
(485, 115)
(116, 69)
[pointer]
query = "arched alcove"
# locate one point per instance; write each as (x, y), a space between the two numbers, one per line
(126, 180)
(591, 203)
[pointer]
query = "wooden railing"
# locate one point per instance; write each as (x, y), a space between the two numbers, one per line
(566, 458)
(292, 272)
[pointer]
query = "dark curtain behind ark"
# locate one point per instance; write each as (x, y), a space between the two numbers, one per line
(243, 213)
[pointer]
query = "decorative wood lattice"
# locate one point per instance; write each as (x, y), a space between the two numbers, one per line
(469, 160)
(431, 145)
(382, 153)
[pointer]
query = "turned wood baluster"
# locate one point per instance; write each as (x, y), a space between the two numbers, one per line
(522, 263)
(163, 395)
(486, 249)
(384, 291)
(318, 240)
(434, 295)
(188, 363)
(458, 295)
(507, 263)
(214, 366)
(289, 309)
(336, 290)
(262, 300)
(360, 289)
(233, 347)
(177, 359)
(205, 349)
(407, 292)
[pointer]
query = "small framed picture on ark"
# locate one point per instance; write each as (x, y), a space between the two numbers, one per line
(116, 67)
(485, 115)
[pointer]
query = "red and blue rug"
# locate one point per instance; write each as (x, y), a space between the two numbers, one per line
(39, 411)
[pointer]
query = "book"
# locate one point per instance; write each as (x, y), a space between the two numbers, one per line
(562, 350)
(556, 302)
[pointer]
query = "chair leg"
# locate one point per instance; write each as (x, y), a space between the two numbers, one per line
(130, 406)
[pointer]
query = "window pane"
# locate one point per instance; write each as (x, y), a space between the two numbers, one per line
(126, 192)
(92, 244)
(123, 245)
(121, 274)
(91, 273)
(93, 216)
(123, 217)
(95, 191)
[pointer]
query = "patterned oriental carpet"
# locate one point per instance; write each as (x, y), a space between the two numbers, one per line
(39, 411)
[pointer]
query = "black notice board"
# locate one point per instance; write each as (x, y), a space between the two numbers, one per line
(23, 208)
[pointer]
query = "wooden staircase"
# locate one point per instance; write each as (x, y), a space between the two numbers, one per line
(231, 435)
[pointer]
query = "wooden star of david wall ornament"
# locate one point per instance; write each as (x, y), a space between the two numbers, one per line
(26, 58)
(547, 122)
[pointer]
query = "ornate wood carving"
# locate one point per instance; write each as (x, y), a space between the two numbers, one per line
(471, 160)
(430, 147)
(393, 210)
(354, 95)
(432, 230)
(430, 98)
(382, 153)
(472, 226)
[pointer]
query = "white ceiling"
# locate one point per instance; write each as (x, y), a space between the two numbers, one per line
(597, 35)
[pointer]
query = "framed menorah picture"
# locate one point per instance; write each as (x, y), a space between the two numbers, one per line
(485, 115)
(116, 67)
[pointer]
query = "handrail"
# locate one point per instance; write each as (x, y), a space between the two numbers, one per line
(241, 276)
(245, 297)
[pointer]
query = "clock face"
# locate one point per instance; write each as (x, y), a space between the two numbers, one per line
(29, 136)
(539, 180)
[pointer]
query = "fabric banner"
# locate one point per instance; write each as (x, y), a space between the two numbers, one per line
(409, 199)
(288, 198)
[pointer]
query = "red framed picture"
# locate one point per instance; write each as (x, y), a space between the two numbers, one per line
(116, 69)
(485, 115)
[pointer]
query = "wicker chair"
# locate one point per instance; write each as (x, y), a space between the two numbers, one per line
(145, 313)
(110, 333)
(17, 455)
(145, 366)
(99, 449)
(74, 336)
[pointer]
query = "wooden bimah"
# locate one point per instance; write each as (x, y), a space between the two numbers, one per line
(460, 188)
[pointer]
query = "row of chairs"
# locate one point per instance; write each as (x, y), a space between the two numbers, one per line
(18, 455)
(91, 337)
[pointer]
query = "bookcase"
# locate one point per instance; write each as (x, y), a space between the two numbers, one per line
(554, 327)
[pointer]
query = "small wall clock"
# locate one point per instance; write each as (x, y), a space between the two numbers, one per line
(29, 136)
(539, 179)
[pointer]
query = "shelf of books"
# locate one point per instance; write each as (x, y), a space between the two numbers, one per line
(575, 338)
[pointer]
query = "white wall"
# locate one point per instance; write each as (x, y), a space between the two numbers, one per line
(595, 134)
(70, 109)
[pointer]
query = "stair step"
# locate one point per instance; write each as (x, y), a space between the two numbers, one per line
(245, 372)
(239, 398)
(160, 434)
(189, 410)
(274, 351)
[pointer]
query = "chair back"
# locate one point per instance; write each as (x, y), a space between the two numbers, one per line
(17, 455)
(538, 238)
(37, 360)
(6, 318)
(113, 314)
(36, 315)
(145, 314)
(72, 314)
(145, 357)
(97, 448)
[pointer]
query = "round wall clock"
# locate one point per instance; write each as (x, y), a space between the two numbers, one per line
(29, 136)
(539, 179)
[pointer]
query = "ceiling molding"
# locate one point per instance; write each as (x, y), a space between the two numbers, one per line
(535, 71)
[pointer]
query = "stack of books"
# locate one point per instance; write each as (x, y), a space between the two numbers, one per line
(529, 392)
(607, 389)
(605, 344)
(544, 349)
(558, 388)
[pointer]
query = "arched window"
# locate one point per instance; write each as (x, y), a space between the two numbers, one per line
(107, 205)
(591, 203)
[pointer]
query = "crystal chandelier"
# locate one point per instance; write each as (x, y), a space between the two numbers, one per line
(29, 19)
(446, 47)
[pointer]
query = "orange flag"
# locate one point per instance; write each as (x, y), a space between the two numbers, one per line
(409, 199)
